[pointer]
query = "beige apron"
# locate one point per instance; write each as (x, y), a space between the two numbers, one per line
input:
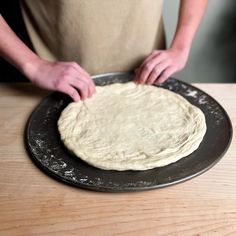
(101, 35)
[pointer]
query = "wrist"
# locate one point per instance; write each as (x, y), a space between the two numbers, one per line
(180, 47)
(30, 67)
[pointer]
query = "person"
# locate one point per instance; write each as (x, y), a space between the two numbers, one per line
(77, 38)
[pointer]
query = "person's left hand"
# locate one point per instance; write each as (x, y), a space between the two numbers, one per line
(160, 65)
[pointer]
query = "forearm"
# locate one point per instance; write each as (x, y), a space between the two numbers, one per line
(15, 51)
(190, 15)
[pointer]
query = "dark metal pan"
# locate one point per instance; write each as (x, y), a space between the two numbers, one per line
(48, 152)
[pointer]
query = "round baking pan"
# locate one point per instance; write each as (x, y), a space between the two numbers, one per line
(43, 143)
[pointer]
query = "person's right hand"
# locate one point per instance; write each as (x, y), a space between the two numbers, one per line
(66, 77)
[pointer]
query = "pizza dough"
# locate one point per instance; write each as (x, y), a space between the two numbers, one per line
(132, 127)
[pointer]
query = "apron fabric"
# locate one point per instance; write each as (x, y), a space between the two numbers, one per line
(102, 36)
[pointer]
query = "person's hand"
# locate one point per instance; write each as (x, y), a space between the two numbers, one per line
(66, 77)
(160, 65)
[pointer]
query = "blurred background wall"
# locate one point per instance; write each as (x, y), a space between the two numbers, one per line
(213, 55)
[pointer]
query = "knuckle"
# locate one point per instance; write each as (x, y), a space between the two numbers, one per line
(161, 80)
(147, 66)
(179, 67)
(150, 81)
(163, 54)
(75, 96)
(170, 61)
(156, 70)
(65, 78)
(75, 64)
(59, 83)
(73, 93)
(176, 68)
(83, 86)
(91, 82)
(155, 52)
(164, 74)
(90, 86)
(83, 89)
(83, 94)
(66, 74)
(70, 69)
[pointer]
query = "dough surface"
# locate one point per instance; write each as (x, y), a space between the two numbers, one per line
(132, 127)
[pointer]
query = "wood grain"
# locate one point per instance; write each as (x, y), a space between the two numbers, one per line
(31, 203)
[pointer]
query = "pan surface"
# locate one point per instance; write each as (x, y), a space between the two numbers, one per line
(43, 143)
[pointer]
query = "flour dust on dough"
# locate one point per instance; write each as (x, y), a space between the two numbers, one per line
(132, 127)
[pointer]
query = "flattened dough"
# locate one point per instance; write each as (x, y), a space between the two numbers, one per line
(132, 127)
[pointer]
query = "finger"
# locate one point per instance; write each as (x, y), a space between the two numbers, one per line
(78, 83)
(90, 85)
(137, 70)
(145, 72)
(87, 78)
(165, 75)
(74, 73)
(148, 67)
(150, 57)
(69, 90)
(157, 70)
(81, 86)
(85, 74)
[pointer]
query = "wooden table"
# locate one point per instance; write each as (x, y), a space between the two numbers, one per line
(31, 203)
